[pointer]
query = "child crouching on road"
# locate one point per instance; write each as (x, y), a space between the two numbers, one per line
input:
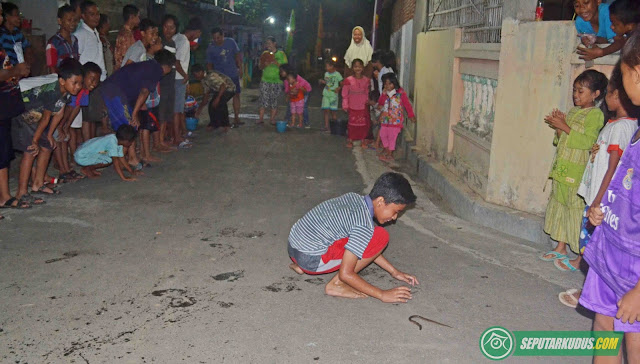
(98, 153)
(340, 235)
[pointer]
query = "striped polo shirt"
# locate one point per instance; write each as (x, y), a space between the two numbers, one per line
(350, 215)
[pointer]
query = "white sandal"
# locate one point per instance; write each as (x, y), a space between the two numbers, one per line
(568, 299)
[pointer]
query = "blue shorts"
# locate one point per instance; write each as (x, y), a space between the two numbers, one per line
(117, 110)
(236, 81)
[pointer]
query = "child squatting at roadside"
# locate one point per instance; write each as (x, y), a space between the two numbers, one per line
(340, 235)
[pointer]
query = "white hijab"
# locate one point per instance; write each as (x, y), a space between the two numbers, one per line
(363, 50)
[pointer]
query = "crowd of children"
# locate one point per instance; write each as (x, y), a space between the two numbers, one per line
(98, 106)
(593, 208)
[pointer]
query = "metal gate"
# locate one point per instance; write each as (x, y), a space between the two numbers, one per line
(480, 20)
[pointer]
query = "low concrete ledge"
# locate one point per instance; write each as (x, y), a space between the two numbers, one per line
(469, 206)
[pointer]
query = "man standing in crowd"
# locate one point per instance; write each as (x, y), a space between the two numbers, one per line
(125, 39)
(224, 56)
(89, 44)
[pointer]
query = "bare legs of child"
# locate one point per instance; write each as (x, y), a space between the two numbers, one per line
(333, 114)
(293, 120)
(631, 339)
(338, 288)
(146, 147)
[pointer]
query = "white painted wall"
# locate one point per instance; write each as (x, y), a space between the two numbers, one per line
(44, 14)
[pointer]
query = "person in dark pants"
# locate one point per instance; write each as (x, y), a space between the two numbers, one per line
(218, 90)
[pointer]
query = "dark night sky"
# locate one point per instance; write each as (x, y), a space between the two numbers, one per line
(340, 16)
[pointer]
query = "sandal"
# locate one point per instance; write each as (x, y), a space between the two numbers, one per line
(31, 200)
(41, 191)
(77, 175)
(554, 255)
(185, 145)
(568, 267)
(8, 204)
(568, 297)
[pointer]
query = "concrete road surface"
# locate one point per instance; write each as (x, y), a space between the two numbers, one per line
(189, 265)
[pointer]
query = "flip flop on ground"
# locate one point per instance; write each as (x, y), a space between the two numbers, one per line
(31, 200)
(564, 265)
(8, 204)
(43, 191)
(554, 255)
(570, 297)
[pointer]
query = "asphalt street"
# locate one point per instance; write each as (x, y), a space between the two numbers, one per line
(189, 264)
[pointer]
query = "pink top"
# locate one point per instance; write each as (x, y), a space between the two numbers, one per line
(302, 83)
(355, 93)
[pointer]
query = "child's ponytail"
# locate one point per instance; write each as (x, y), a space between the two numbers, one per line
(595, 81)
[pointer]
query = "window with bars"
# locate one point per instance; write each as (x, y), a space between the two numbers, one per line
(480, 20)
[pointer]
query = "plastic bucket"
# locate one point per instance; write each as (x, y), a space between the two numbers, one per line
(338, 127)
(281, 126)
(192, 123)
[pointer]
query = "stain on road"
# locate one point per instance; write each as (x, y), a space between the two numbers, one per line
(229, 276)
(65, 256)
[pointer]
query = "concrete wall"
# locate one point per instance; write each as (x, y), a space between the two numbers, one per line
(534, 76)
(43, 13)
(433, 89)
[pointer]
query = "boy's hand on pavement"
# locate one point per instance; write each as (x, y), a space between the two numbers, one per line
(396, 295)
(629, 307)
(407, 278)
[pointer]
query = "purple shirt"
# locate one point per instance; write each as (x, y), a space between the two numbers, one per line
(614, 249)
(223, 58)
(131, 79)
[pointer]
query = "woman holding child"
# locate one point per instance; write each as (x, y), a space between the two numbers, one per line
(360, 48)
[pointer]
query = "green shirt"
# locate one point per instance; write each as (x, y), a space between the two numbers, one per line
(271, 73)
(572, 152)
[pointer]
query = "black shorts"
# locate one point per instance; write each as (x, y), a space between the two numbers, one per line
(148, 120)
(22, 134)
(96, 109)
(6, 147)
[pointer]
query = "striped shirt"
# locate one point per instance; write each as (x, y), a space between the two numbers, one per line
(58, 49)
(9, 39)
(350, 215)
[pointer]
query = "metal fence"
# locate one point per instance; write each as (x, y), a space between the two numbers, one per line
(480, 20)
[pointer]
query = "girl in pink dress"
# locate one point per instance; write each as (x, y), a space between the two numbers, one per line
(355, 94)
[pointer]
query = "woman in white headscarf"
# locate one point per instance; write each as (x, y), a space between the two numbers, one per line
(360, 48)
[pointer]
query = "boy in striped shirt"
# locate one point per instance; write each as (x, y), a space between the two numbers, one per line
(340, 235)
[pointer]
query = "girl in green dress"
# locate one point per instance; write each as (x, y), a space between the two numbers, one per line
(576, 132)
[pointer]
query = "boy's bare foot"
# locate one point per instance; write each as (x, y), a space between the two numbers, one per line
(337, 288)
(89, 172)
(152, 159)
(296, 268)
